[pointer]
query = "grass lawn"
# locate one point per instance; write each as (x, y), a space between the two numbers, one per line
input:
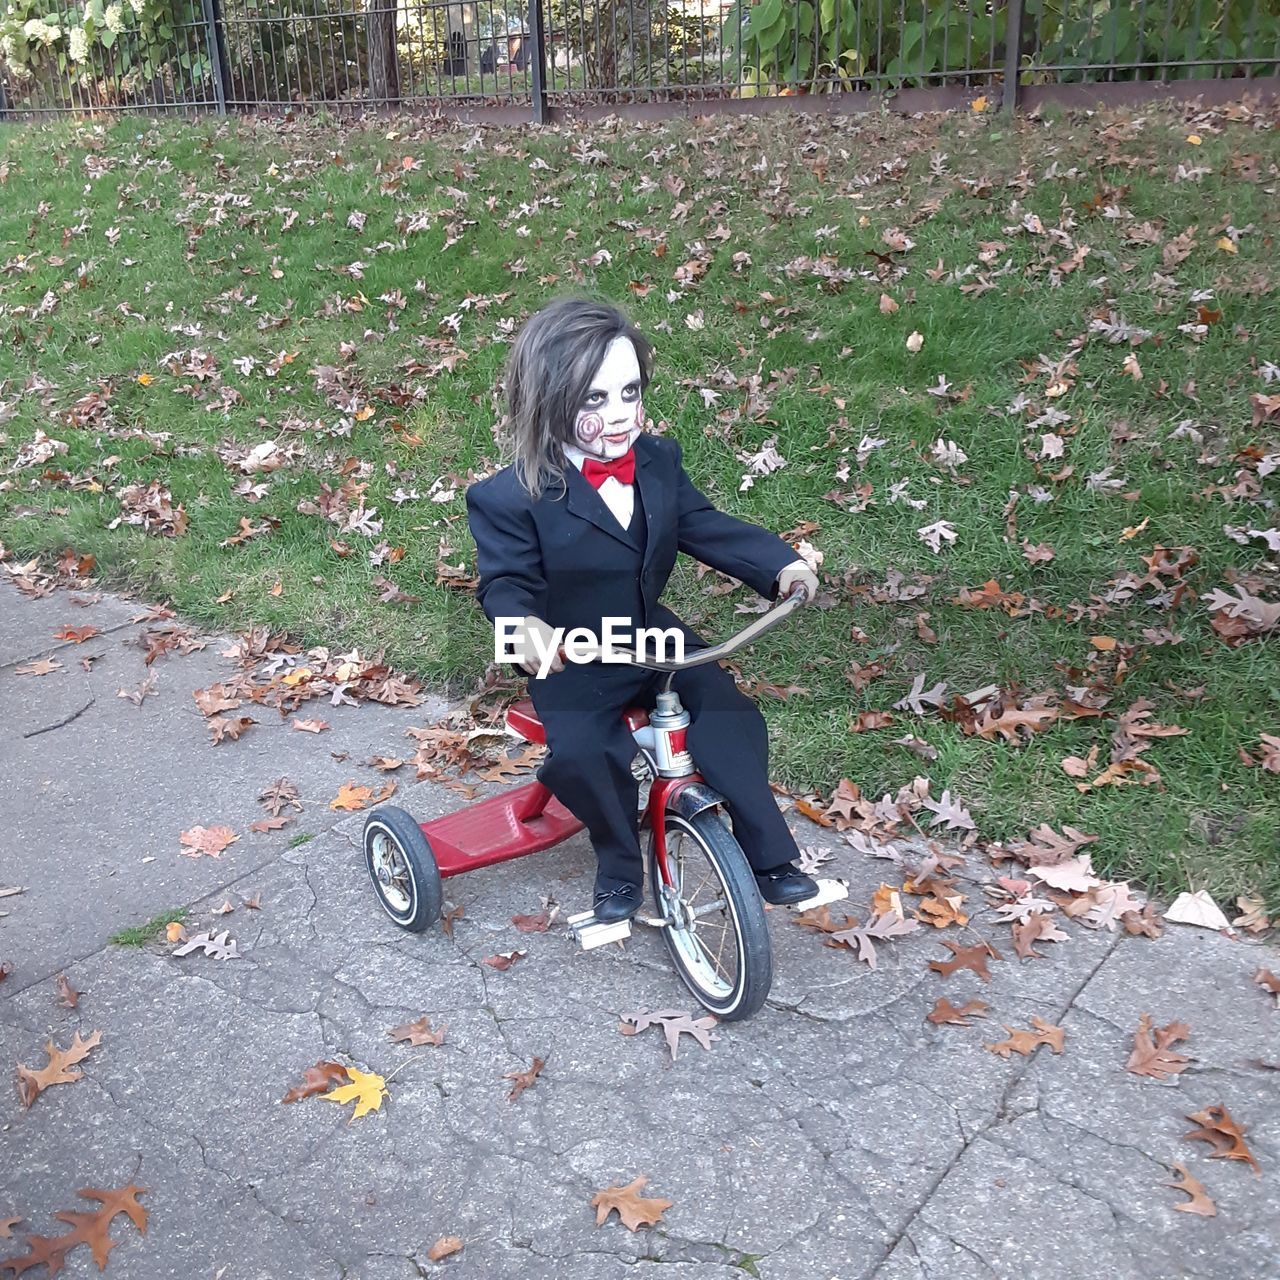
(1095, 299)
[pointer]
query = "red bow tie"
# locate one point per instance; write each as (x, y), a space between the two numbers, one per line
(622, 469)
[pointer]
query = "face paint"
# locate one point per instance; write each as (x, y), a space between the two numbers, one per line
(612, 415)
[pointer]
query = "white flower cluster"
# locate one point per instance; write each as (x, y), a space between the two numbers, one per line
(113, 18)
(79, 44)
(40, 32)
(137, 6)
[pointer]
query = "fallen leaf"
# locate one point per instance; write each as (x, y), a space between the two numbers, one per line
(270, 824)
(175, 932)
(503, 960)
(309, 726)
(40, 667)
(1223, 1134)
(523, 1079)
(532, 924)
(318, 1079)
(77, 635)
(220, 947)
(443, 1247)
(1025, 1042)
(221, 727)
(6, 1227)
(1199, 1202)
(633, 1209)
(1073, 876)
(1038, 927)
(418, 1032)
(1152, 1055)
(674, 1023)
(915, 340)
(887, 305)
(447, 919)
(352, 797)
(1268, 982)
(366, 1090)
(68, 996)
(945, 1013)
(973, 958)
(206, 840)
(1197, 909)
(60, 1069)
(862, 940)
(1253, 914)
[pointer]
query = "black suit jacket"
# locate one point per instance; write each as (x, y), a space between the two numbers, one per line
(564, 558)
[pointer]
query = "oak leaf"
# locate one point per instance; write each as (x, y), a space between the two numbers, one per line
(1009, 723)
(1152, 1052)
(270, 824)
(633, 1209)
(1025, 1041)
(49, 1251)
(1146, 922)
(674, 1023)
(945, 1013)
(221, 947)
(1253, 914)
(365, 1089)
(1199, 1202)
(942, 911)
(78, 635)
(503, 960)
(1223, 1134)
(862, 940)
(309, 726)
(1038, 927)
(523, 1079)
(6, 1227)
(280, 793)
(60, 1069)
(207, 840)
(973, 958)
(533, 923)
(1075, 875)
(318, 1079)
(90, 1229)
(418, 1032)
(40, 667)
(352, 797)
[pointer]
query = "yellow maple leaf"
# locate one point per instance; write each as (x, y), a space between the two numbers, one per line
(145, 379)
(1195, 139)
(351, 796)
(366, 1090)
(1226, 244)
(979, 103)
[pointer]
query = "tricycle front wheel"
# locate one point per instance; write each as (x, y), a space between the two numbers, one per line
(403, 869)
(716, 932)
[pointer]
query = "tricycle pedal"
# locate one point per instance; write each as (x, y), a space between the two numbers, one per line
(589, 932)
(828, 891)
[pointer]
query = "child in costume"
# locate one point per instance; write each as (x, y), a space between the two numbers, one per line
(585, 525)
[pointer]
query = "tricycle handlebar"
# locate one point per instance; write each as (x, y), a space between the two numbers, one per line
(797, 596)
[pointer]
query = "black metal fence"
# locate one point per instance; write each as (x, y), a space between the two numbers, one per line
(534, 56)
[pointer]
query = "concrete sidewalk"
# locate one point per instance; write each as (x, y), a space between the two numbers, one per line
(837, 1134)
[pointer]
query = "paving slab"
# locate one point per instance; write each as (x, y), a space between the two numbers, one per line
(837, 1134)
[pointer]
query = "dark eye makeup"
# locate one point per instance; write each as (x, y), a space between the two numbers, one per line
(629, 392)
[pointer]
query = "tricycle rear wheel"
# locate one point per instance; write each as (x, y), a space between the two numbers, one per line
(402, 868)
(716, 932)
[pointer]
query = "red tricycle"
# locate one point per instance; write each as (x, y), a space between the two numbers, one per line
(704, 892)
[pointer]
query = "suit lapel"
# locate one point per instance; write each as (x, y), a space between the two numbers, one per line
(653, 495)
(586, 503)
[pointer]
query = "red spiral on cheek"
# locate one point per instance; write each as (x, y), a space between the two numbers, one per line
(590, 425)
(639, 415)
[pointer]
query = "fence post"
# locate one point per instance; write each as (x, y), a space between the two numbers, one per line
(537, 63)
(1012, 53)
(217, 52)
(4, 101)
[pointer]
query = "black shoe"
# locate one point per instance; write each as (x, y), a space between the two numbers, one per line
(618, 903)
(785, 885)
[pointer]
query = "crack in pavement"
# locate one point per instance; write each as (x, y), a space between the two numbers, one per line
(1000, 1113)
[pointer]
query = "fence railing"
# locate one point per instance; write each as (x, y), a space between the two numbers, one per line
(60, 56)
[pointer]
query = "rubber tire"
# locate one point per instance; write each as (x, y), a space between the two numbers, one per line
(424, 875)
(755, 975)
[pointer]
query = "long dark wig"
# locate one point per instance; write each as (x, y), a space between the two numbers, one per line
(548, 374)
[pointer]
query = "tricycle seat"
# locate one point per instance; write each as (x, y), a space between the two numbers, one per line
(522, 720)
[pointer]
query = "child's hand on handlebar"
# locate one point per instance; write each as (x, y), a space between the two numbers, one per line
(535, 639)
(797, 574)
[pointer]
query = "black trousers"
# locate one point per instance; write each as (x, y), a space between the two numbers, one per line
(589, 767)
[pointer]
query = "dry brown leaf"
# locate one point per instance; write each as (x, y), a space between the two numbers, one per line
(523, 1079)
(1199, 1202)
(40, 667)
(1268, 982)
(942, 911)
(77, 635)
(6, 1227)
(1223, 1134)
(60, 1069)
(1025, 1042)
(447, 919)
(1253, 915)
(206, 840)
(309, 726)
(503, 960)
(418, 1032)
(674, 1023)
(945, 1013)
(174, 931)
(1152, 1053)
(318, 1079)
(1038, 927)
(353, 797)
(221, 727)
(443, 1247)
(974, 958)
(634, 1209)
(538, 923)
(68, 996)
(270, 824)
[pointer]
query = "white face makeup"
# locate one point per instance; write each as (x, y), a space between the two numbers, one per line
(612, 415)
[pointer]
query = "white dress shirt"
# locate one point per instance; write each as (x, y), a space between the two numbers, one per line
(618, 497)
